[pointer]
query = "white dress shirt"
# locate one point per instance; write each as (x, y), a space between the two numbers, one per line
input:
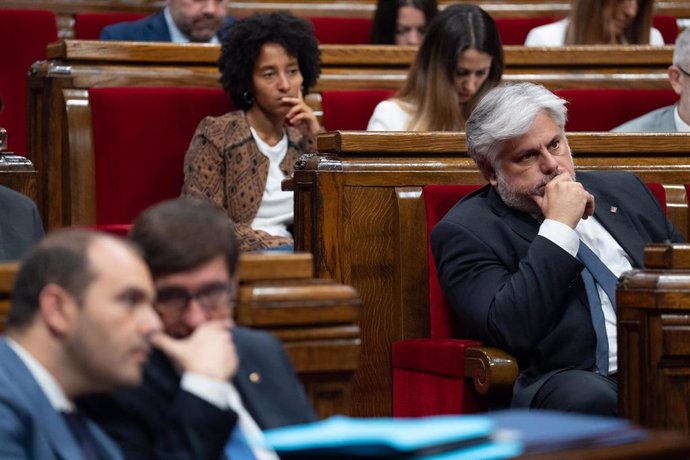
(594, 235)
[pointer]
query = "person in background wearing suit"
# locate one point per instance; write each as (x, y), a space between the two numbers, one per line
(181, 21)
(600, 22)
(81, 321)
(238, 161)
(210, 381)
(20, 224)
(402, 22)
(460, 58)
(530, 264)
(676, 117)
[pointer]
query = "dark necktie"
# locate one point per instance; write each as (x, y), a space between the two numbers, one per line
(595, 272)
(237, 447)
(77, 425)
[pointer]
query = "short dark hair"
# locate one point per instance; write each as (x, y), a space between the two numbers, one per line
(61, 258)
(383, 26)
(243, 42)
(180, 235)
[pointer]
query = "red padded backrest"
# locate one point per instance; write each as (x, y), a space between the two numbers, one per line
(438, 200)
(88, 26)
(350, 110)
(341, 31)
(140, 138)
(604, 109)
(24, 35)
(668, 26)
(659, 193)
(513, 31)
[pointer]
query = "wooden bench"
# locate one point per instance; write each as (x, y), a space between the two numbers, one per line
(317, 320)
(75, 65)
(359, 210)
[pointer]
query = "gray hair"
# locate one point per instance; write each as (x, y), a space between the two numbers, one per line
(506, 112)
(682, 49)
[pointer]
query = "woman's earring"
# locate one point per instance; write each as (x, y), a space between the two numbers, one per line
(248, 97)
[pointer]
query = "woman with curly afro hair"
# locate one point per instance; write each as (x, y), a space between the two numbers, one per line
(267, 63)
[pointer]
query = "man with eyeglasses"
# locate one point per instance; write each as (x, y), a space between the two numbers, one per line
(676, 117)
(210, 387)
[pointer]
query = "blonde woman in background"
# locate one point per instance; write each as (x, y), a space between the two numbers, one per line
(460, 59)
(600, 22)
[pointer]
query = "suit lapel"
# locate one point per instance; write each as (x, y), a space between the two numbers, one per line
(521, 223)
(250, 391)
(49, 421)
(615, 219)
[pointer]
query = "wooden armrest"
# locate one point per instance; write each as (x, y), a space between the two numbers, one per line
(491, 369)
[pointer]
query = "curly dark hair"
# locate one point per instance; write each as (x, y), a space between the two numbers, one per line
(242, 44)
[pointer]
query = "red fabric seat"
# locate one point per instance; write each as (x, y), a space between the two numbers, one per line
(25, 35)
(140, 137)
(604, 109)
(428, 373)
(350, 110)
(513, 31)
(341, 31)
(668, 26)
(88, 26)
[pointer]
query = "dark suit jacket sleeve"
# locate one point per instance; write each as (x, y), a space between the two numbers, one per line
(512, 307)
(153, 422)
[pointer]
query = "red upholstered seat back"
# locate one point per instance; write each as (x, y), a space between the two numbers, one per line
(604, 109)
(341, 30)
(668, 26)
(88, 26)
(513, 31)
(140, 138)
(350, 110)
(659, 193)
(438, 200)
(24, 35)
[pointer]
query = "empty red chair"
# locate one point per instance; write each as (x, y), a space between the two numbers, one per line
(350, 110)
(24, 35)
(140, 137)
(604, 109)
(668, 26)
(341, 31)
(88, 26)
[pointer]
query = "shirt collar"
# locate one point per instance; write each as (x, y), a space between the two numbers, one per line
(681, 126)
(176, 35)
(50, 387)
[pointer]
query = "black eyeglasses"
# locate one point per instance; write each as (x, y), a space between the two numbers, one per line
(211, 298)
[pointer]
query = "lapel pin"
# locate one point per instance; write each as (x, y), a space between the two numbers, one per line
(255, 377)
(613, 210)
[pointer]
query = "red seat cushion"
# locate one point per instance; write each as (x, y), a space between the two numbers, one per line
(604, 109)
(140, 138)
(350, 110)
(88, 26)
(25, 35)
(668, 26)
(341, 31)
(513, 31)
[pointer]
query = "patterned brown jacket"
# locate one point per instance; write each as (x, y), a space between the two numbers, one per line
(224, 165)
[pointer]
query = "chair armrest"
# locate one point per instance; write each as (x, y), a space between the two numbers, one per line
(491, 369)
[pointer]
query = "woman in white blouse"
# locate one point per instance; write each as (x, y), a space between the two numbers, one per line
(600, 22)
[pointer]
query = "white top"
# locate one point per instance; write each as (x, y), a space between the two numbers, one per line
(277, 207)
(224, 395)
(594, 235)
(553, 34)
(389, 116)
(176, 35)
(681, 126)
(45, 380)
